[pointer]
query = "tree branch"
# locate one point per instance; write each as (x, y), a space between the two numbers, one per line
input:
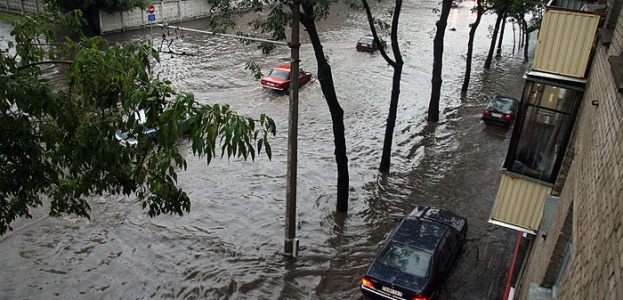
(67, 62)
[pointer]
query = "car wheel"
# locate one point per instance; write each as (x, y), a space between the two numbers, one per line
(286, 91)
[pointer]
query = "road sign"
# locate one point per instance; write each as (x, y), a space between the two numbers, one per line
(151, 10)
(151, 17)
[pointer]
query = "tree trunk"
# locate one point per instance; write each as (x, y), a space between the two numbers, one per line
(395, 96)
(499, 49)
(514, 38)
(470, 46)
(493, 40)
(391, 119)
(521, 34)
(325, 78)
(433, 106)
(526, 56)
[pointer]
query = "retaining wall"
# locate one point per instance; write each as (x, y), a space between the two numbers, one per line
(166, 11)
(21, 6)
(169, 11)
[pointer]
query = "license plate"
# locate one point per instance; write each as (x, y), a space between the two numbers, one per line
(392, 291)
(496, 115)
(270, 84)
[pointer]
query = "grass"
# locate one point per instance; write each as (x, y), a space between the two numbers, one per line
(9, 17)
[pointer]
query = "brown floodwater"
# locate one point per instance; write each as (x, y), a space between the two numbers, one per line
(230, 246)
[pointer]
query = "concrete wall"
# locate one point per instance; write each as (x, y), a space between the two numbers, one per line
(593, 192)
(169, 11)
(21, 6)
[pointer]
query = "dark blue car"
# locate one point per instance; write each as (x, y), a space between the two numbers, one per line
(367, 43)
(417, 256)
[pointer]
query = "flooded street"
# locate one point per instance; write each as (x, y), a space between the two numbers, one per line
(230, 246)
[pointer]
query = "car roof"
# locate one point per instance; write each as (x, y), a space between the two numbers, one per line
(420, 233)
(285, 67)
(425, 226)
(505, 97)
(439, 215)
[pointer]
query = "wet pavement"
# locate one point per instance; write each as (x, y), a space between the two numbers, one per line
(230, 246)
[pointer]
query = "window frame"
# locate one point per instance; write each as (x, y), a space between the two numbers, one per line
(522, 118)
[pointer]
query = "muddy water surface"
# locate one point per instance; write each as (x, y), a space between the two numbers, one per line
(231, 244)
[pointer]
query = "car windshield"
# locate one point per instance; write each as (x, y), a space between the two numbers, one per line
(366, 40)
(501, 104)
(407, 259)
(280, 74)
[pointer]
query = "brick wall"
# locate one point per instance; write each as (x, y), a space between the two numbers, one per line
(593, 191)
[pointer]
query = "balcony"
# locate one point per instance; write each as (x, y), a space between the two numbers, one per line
(552, 94)
(519, 203)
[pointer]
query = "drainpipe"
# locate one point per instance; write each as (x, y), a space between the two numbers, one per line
(509, 278)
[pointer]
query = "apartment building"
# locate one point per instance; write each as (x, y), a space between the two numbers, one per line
(562, 178)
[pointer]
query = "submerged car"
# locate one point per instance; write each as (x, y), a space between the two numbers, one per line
(367, 44)
(279, 78)
(127, 138)
(501, 110)
(413, 262)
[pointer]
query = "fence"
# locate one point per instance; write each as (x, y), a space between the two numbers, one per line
(21, 6)
(168, 11)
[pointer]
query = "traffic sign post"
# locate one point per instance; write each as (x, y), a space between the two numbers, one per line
(151, 17)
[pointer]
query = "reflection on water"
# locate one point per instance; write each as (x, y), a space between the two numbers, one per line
(230, 246)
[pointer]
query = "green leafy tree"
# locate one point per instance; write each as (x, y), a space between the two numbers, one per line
(58, 135)
(501, 8)
(480, 10)
(517, 9)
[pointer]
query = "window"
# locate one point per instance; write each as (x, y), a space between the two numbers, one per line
(279, 74)
(540, 144)
(407, 259)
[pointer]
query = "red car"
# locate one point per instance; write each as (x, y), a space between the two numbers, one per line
(279, 78)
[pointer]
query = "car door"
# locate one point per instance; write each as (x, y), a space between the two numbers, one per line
(455, 242)
(444, 254)
(302, 77)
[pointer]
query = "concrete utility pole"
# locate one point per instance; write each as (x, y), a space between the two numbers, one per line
(291, 243)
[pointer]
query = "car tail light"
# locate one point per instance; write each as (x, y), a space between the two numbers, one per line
(419, 298)
(508, 117)
(366, 282)
(486, 112)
